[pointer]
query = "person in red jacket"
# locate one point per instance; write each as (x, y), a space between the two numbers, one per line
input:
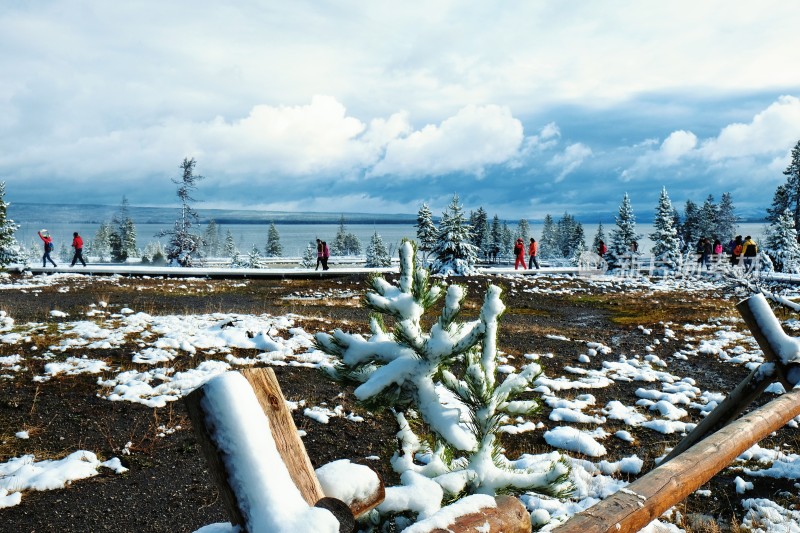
(77, 243)
(519, 252)
(48, 247)
(533, 250)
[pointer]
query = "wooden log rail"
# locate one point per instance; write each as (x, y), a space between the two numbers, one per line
(647, 498)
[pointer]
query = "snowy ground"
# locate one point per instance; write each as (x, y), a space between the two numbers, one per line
(177, 353)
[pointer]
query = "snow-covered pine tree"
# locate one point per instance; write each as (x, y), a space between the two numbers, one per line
(230, 245)
(792, 185)
(339, 245)
(666, 245)
(309, 258)
(454, 252)
(122, 236)
(707, 219)
(548, 244)
(426, 231)
(211, 238)
(185, 245)
(599, 236)
(726, 219)
(377, 255)
(780, 202)
(101, 245)
(690, 229)
(10, 250)
(623, 235)
(523, 230)
(577, 243)
(400, 368)
(496, 236)
(254, 258)
(781, 244)
(481, 235)
(507, 248)
(274, 248)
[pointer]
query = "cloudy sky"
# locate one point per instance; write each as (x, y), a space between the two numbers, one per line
(524, 107)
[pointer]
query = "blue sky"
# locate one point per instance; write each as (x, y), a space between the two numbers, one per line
(523, 107)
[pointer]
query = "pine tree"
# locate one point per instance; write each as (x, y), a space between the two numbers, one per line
(254, 258)
(548, 244)
(377, 255)
(792, 186)
(10, 251)
(481, 234)
(496, 236)
(274, 248)
(726, 218)
(426, 231)
(185, 245)
(230, 244)
(666, 245)
(339, 246)
(707, 219)
(599, 236)
(101, 245)
(454, 252)
(403, 367)
(690, 229)
(523, 230)
(507, 247)
(624, 235)
(309, 258)
(211, 238)
(780, 203)
(122, 236)
(781, 244)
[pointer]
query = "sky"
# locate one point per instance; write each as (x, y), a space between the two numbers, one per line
(523, 107)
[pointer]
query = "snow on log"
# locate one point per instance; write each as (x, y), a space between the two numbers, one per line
(478, 513)
(244, 460)
(359, 486)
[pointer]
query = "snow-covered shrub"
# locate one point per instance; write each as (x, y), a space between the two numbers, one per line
(414, 371)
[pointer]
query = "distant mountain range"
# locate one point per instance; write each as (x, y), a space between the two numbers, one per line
(96, 214)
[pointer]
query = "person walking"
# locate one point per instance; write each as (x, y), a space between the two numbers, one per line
(533, 249)
(48, 247)
(319, 255)
(749, 251)
(77, 243)
(519, 253)
(326, 253)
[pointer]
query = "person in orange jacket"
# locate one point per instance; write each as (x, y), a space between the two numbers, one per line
(519, 252)
(533, 250)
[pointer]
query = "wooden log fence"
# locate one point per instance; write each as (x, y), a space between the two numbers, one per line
(647, 498)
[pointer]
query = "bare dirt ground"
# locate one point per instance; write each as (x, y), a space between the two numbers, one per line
(168, 488)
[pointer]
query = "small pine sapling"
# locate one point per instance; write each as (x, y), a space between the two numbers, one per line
(414, 372)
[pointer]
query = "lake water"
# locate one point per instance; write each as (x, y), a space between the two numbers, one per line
(295, 237)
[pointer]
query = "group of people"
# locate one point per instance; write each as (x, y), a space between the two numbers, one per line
(519, 254)
(49, 246)
(740, 250)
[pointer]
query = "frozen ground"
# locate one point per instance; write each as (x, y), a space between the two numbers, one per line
(614, 401)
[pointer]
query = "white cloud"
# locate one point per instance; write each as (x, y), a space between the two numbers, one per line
(570, 159)
(678, 144)
(771, 131)
(476, 137)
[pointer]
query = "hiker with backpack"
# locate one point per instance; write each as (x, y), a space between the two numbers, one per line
(48, 247)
